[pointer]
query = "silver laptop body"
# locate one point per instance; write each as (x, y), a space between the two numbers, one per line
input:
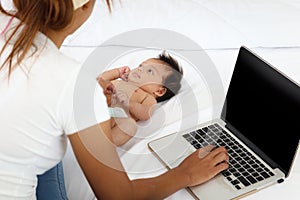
(257, 124)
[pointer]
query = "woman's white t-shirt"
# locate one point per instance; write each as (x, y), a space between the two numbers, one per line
(44, 100)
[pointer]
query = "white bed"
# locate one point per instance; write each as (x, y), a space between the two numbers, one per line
(269, 28)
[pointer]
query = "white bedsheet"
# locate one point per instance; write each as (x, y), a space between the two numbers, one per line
(270, 28)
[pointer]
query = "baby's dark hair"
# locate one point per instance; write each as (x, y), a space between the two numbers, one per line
(172, 83)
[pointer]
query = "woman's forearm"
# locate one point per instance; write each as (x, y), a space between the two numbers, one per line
(104, 172)
(103, 169)
(161, 186)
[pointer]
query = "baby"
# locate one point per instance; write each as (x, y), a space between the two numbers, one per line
(137, 91)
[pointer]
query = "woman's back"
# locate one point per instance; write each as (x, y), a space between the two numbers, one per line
(35, 94)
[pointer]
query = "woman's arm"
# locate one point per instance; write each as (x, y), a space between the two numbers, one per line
(102, 167)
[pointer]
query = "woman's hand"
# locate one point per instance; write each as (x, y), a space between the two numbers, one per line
(204, 164)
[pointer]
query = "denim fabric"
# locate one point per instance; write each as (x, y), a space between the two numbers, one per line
(51, 184)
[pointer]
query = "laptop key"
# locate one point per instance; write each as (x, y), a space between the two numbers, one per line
(238, 159)
(211, 126)
(259, 169)
(197, 137)
(266, 169)
(237, 165)
(244, 181)
(251, 162)
(238, 151)
(237, 174)
(232, 161)
(251, 179)
(194, 142)
(242, 170)
(246, 158)
(246, 166)
(200, 140)
(205, 129)
(255, 166)
(265, 175)
(201, 132)
(226, 173)
(229, 179)
(259, 178)
(235, 182)
(255, 174)
(234, 155)
(237, 187)
(232, 170)
(186, 135)
(245, 174)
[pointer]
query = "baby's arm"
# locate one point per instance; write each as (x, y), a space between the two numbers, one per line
(108, 89)
(142, 111)
(121, 72)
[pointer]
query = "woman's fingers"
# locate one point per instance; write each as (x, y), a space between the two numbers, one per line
(205, 163)
(219, 158)
(215, 155)
(204, 151)
(218, 168)
(216, 151)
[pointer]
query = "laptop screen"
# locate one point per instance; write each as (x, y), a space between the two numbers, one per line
(264, 106)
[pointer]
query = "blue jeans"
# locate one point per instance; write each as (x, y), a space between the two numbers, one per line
(51, 184)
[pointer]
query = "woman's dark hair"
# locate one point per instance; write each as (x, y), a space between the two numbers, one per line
(172, 83)
(35, 16)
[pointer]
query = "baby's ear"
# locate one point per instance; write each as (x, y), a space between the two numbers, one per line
(160, 91)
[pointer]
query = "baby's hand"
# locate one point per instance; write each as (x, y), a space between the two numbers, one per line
(107, 86)
(108, 89)
(124, 72)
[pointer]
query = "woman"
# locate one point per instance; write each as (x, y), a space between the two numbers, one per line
(38, 109)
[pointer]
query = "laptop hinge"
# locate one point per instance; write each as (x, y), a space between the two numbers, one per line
(254, 148)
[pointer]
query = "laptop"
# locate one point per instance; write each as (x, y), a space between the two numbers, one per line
(258, 126)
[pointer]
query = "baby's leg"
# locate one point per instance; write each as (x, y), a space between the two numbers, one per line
(123, 130)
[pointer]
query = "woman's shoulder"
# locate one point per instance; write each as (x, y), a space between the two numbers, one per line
(51, 59)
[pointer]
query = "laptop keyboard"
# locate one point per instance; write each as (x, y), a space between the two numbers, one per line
(244, 169)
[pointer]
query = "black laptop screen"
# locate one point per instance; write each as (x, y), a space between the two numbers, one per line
(264, 106)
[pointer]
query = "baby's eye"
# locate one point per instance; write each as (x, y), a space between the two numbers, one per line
(150, 71)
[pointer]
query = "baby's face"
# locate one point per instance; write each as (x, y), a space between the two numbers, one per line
(150, 74)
